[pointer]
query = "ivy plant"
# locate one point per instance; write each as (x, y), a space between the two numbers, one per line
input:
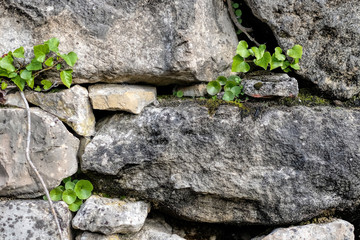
(46, 57)
(238, 14)
(178, 94)
(230, 85)
(72, 192)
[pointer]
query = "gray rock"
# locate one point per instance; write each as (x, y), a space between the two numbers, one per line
(111, 216)
(71, 106)
(129, 98)
(277, 85)
(230, 167)
(32, 219)
(158, 42)
(336, 230)
(53, 150)
(14, 100)
(198, 90)
(329, 31)
(156, 229)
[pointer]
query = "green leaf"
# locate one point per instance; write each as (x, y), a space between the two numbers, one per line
(275, 63)
(38, 89)
(19, 82)
(235, 5)
(229, 85)
(240, 20)
(242, 49)
(238, 13)
(3, 72)
(69, 196)
(65, 180)
(61, 187)
(25, 74)
(213, 87)
(7, 63)
(264, 61)
(19, 53)
(30, 82)
(236, 90)
(56, 194)
(3, 85)
(69, 185)
(228, 96)
(295, 52)
(75, 181)
(259, 52)
(285, 66)
(46, 84)
(295, 66)
(49, 62)
(75, 205)
(222, 80)
(179, 94)
(239, 65)
(58, 67)
(34, 65)
(69, 58)
(66, 77)
(83, 189)
(278, 54)
(53, 44)
(40, 52)
(12, 75)
(234, 78)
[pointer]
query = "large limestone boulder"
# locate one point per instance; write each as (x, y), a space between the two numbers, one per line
(329, 31)
(32, 219)
(53, 150)
(230, 167)
(158, 42)
(335, 230)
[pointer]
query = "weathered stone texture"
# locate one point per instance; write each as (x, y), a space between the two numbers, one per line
(329, 31)
(129, 98)
(277, 85)
(53, 150)
(72, 106)
(335, 230)
(157, 42)
(229, 167)
(32, 219)
(198, 90)
(110, 216)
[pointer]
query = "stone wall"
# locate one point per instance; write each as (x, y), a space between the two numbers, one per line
(179, 168)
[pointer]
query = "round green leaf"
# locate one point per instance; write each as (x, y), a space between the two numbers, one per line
(238, 13)
(83, 189)
(65, 180)
(242, 49)
(61, 188)
(235, 5)
(179, 94)
(229, 85)
(26, 75)
(69, 185)
(234, 78)
(75, 205)
(69, 196)
(56, 194)
(228, 96)
(222, 80)
(236, 90)
(19, 53)
(213, 87)
(239, 65)
(295, 52)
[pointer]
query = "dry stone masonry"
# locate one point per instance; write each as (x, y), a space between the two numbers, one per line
(183, 169)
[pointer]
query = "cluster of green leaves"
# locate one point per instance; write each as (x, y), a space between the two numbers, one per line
(238, 14)
(263, 58)
(178, 94)
(232, 87)
(46, 57)
(72, 192)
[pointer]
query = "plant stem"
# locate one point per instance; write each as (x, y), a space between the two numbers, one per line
(27, 154)
(238, 25)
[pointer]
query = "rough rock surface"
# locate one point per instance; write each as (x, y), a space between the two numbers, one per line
(32, 219)
(53, 150)
(329, 31)
(336, 230)
(264, 86)
(111, 216)
(71, 106)
(198, 90)
(14, 100)
(231, 167)
(153, 229)
(157, 42)
(129, 98)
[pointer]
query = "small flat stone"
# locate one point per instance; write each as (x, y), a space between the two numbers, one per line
(265, 86)
(32, 219)
(110, 216)
(198, 90)
(129, 98)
